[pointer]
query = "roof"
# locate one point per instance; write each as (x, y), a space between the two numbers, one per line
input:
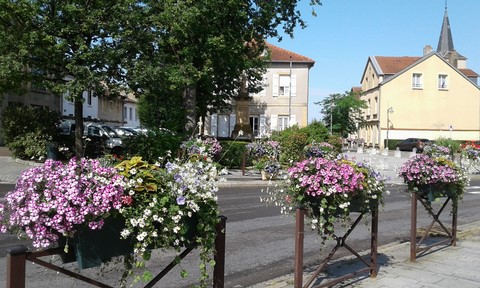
(445, 41)
(468, 72)
(278, 54)
(393, 65)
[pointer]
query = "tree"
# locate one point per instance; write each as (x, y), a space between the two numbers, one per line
(342, 112)
(193, 52)
(72, 46)
(202, 50)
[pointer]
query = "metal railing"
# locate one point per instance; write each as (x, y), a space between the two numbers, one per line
(19, 254)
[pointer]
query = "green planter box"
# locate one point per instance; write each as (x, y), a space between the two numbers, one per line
(90, 248)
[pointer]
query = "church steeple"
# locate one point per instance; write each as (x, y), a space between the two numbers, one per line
(445, 42)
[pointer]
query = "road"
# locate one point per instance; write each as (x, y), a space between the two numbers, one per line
(260, 242)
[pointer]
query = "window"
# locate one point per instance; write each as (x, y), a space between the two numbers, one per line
(131, 113)
(255, 124)
(37, 75)
(417, 80)
(442, 81)
(282, 123)
(283, 85)
(89, 97)
(125, 113)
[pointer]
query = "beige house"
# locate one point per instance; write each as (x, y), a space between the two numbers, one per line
(282, 103)
(432, 96)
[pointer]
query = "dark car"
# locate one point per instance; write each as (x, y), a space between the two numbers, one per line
(410, 144)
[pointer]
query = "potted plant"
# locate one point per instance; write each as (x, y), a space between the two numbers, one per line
(434, 177)
(265, 155)
(329, 190)
(322, 149)
(202, 148)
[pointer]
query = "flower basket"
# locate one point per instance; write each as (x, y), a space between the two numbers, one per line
(434, 177)
(329, 190)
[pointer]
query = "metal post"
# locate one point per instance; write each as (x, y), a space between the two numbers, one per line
(454, 221)
(290, 95)
(16, 259)
(219, 269)
(299, 236)
(413, 229)
(374, 242)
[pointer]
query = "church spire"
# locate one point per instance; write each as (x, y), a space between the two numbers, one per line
(445, 42)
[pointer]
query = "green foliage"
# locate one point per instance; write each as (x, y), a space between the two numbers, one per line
(453, 145)
(336, 142)
(27, 130)
(343, 112)
(232, 155)
(292, 140)
(152, 145)
(316, 132)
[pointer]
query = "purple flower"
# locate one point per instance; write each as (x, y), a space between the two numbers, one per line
(181, 200)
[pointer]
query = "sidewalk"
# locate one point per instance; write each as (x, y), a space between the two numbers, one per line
(446, 267)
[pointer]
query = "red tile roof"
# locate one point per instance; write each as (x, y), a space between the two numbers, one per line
(468, 72)
(393, 65)
(278, 54)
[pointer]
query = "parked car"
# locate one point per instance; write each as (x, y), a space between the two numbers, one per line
(125, 131)
(410, 144)
(113, 142)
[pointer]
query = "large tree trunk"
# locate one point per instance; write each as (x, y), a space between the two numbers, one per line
(189, 104)
(79, 147)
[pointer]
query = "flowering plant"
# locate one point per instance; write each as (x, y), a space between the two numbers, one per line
(434, 150)
(264, 148)
(207, 147)
(423, 171)
(469, 158)
(169, 205)
(322, 149)
(57, 199)
(328, 189)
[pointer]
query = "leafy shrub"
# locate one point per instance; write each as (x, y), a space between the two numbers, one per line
(27, 130)
(317, 132)
(152, 145)
(453, 145)
(232, 155)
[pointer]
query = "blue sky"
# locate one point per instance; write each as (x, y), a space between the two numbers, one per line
(346, 32)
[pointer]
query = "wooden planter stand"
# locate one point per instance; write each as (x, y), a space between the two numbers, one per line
(341, 242)
(19, 254)
(415, 249)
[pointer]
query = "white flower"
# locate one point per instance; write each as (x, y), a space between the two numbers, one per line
(176, 229)
(125, 233)
(133, 171)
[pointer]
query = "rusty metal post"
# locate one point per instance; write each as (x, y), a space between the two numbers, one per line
(299, 236)
(454, 221)
(219, 269)
(16, 259)
(413, 229)
(374, 242)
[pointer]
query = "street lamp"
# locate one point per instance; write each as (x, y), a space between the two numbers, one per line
(331, 118)
(389, 110)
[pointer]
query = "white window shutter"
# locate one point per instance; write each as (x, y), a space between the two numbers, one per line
(263, 125)
(293, 120)
(275, 85)
(213, 125)
(233, 121)
(294, 85)
(264, 86)
(273, 122)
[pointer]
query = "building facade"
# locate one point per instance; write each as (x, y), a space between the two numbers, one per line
(431, 96)
(282, 103)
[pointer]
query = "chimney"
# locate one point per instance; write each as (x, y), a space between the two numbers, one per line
(427, 49)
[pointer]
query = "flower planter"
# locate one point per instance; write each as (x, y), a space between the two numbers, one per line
(268, 176)
(90, 248)
(432, 191)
